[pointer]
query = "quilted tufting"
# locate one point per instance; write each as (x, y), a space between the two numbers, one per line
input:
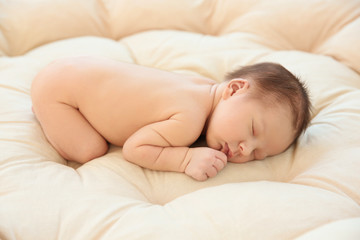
(311, 191)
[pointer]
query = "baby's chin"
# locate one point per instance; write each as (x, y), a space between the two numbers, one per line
(213, 145)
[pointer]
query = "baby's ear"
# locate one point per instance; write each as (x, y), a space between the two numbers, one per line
(235, 86)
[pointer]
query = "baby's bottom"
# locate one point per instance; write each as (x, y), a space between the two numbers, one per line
(69, 132)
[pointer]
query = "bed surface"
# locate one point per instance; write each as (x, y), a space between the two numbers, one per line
(311, 191)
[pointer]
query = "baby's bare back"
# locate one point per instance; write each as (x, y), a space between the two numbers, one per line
(118, 99)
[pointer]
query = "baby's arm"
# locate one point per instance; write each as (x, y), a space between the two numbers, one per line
(162, 146)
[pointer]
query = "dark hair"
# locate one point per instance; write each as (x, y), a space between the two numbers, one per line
(273, 80)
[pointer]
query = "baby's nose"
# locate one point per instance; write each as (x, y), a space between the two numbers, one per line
(245, 148)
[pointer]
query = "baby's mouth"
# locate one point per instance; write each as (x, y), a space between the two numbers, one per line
(227, 151)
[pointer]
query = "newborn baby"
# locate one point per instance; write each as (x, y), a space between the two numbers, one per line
(84, 103)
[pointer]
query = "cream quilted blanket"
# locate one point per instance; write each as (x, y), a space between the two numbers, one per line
(312, 191)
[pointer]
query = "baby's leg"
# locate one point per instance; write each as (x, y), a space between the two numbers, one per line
(69, 132)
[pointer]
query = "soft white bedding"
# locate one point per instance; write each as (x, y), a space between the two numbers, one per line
(312, 191)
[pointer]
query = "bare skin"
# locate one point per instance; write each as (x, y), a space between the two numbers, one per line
(84, 103)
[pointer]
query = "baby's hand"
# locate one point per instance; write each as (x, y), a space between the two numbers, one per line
(205, 163)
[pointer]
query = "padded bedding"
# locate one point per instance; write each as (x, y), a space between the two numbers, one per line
(311, 191)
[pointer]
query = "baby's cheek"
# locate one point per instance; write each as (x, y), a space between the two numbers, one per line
(211, 141)
(213, 145)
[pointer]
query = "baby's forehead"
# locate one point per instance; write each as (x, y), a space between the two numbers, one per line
(277, 130)
(283, 111)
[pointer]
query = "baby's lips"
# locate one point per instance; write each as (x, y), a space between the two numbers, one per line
(229, 153)
(226, 150)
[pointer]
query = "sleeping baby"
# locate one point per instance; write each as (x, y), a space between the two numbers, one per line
(85, 103)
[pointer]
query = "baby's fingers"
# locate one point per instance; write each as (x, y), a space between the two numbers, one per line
(218, 164)
(221, 160)
(222, 156)
(201, 177)
(211, 172)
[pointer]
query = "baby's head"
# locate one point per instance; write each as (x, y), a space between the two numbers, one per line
(263, 110)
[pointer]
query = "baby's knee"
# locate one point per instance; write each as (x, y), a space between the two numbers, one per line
(89, 152)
